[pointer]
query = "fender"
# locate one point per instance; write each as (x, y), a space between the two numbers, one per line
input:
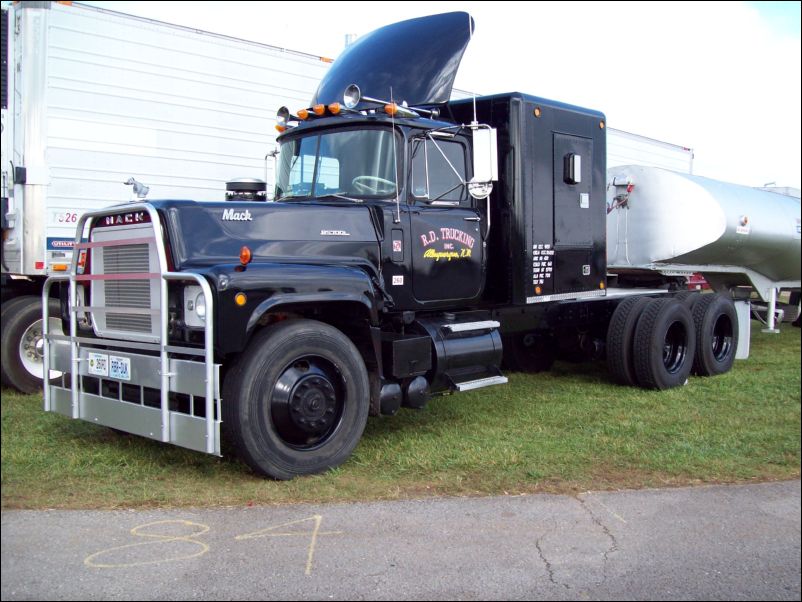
(269, 286)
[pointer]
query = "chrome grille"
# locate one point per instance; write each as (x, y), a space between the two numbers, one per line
(128, 322)
(127, 259)
(128, 293)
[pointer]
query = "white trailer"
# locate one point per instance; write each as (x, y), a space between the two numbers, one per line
(91, 98)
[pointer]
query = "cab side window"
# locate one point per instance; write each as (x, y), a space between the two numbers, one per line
(439, 171)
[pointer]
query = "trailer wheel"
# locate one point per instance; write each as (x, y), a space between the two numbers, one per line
(22, 344)
(664, 345)
(716, 323)
(5, 313)
(620, 338)
(529, 352)
(297, 401)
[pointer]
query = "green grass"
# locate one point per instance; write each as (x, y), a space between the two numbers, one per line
(564, 431)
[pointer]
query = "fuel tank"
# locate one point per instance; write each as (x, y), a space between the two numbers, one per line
(663, 220)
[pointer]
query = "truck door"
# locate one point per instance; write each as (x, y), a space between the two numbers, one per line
(447, 245)
(577, 256)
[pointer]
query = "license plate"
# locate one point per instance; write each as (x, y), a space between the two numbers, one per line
(98, 364)
(120, 367)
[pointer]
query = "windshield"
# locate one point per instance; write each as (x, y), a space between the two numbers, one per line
(350, 164)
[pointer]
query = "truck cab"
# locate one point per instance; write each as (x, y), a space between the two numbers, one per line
(413, 175)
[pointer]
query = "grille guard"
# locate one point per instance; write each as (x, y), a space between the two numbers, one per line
(174, 376)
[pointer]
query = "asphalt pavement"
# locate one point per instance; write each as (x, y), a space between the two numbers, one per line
(739, 542)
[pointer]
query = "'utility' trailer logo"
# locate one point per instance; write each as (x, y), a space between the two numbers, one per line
(229, 215)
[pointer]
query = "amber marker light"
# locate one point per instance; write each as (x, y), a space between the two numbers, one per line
(538, 290)
(335, 108)
(303, 114)
(245, 256)
(601, 125)
(601, 285)
(280, 128)
(59, 267)
(319, 109)
(538, 112)
(391, 108)
(240, 299)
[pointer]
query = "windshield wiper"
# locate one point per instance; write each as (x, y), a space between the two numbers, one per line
(337, 195)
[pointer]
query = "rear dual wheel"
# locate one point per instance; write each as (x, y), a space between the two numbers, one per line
(657, 343)
(620, 338)
(664, 345)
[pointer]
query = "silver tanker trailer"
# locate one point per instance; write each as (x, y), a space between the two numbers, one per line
(676, 224)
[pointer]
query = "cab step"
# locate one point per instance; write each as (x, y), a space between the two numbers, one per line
(481, 382)
(471, 326)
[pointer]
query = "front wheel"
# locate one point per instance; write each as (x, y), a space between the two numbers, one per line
(297, 402)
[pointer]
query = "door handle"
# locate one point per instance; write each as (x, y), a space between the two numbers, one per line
(474, 218)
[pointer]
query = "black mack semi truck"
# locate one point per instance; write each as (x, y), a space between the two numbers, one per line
(415, 246)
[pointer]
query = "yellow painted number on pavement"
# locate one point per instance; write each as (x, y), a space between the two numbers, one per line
(313, 535)
(166, 544)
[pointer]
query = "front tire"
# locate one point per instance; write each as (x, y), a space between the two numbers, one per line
(297, 401)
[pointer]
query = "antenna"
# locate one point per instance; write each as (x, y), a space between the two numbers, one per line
(395, 161)
(473, 94)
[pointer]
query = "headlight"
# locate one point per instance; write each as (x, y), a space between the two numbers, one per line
(194, 307)
(200, 306)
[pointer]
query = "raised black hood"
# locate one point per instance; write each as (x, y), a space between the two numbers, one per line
(418, 59)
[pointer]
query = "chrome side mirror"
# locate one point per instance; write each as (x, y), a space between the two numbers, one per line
(485, 162)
